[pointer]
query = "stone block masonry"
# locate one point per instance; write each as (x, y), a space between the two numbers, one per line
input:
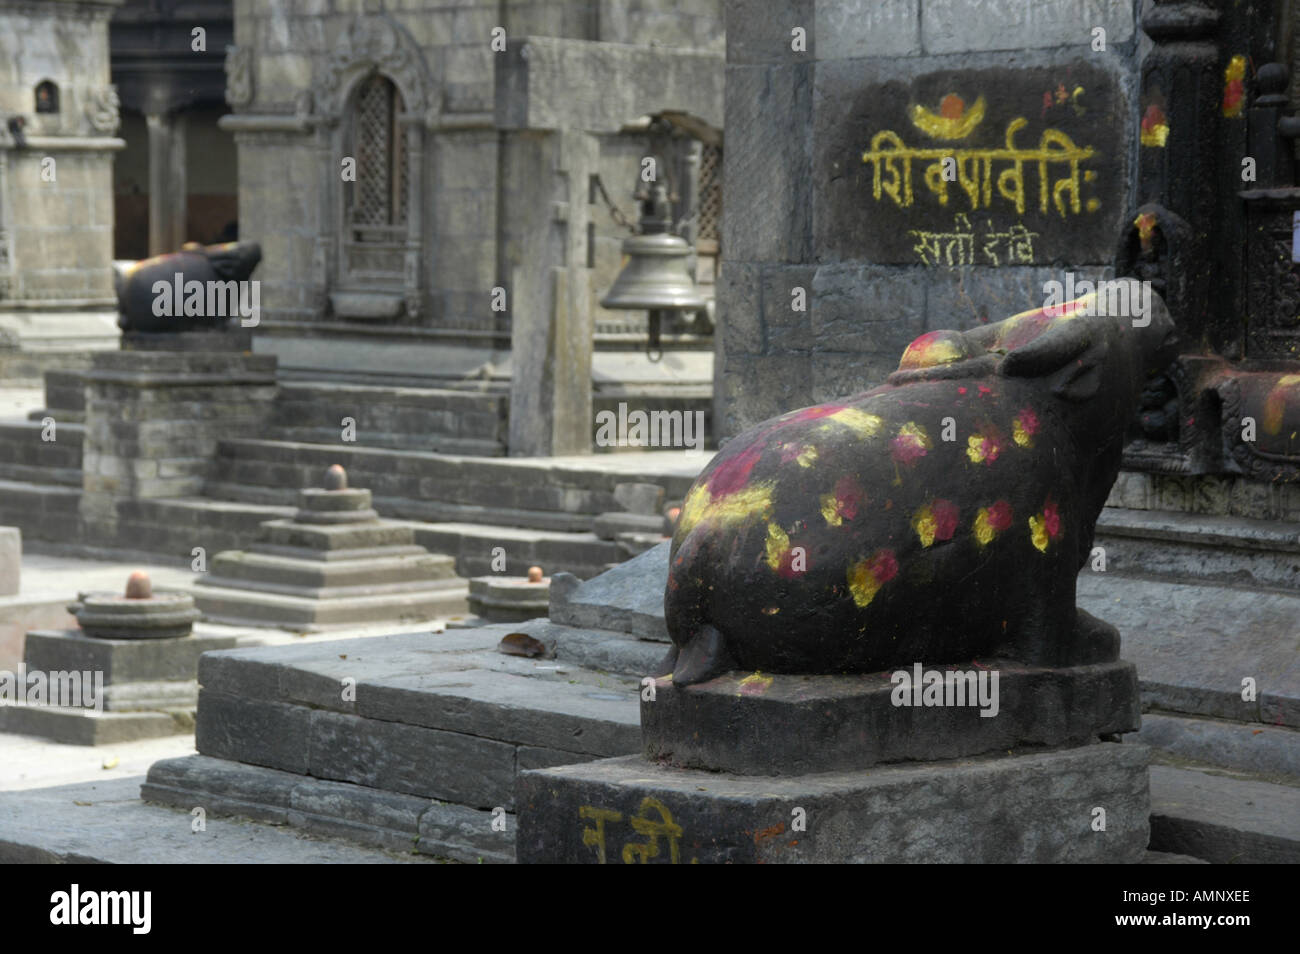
(153, 421)
(881, 259)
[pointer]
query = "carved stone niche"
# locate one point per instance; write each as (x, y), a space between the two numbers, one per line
(1229, 413)
(372, 271)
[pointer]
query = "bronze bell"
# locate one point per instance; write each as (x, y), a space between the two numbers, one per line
(655, 276)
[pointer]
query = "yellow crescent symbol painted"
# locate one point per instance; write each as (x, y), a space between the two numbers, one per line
(953, 121)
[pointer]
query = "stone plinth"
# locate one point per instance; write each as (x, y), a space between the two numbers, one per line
(508, 599)
(335, 563)
(152, 423)
(127, 673)
(795, 725)
(1036, 807)
(756, 768)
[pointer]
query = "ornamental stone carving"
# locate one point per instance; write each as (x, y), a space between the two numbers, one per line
(372, 42)
(102, 110)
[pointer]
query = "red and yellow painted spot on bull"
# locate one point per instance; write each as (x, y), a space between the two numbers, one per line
(755, 684)
(750, 502)
(934, 348)
(991, 521)
(937, 520)
(911, 444)
(1146, 226)
(1155, 128)
(866, 577)
(983, 448)
(858, 421)
(1234, 87)
(805, 455)
(1024, 427)
(1275, 404)
(1045, 527)
(842, 503)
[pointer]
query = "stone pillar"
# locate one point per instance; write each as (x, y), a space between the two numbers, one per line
(167, 186)
(549, 294)
(153, 420)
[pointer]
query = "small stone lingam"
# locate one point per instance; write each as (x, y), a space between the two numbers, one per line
(510, 599)
(127, 672)
(335, 563)
(139, 613)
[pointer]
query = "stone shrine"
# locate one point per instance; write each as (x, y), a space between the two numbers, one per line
(505, 599)
(819, 551)
(127, 673)
(336, 562)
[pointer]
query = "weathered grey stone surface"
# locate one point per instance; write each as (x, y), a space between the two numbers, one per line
(1267, 752)
(1222, 819)
(751, 724)
(1015, 808)
(88, 727)
(609, 525)
(629, 598)
(439, 716)
(1217, 549)
(1193, 644)
(121, 660)
(106, 822)
(958, 26)
(11, 560)
(508, 598)
(337, 809)
(545, 82)
(640, 498)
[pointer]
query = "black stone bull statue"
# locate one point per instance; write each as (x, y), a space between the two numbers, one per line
(138, 298)
(940, 517)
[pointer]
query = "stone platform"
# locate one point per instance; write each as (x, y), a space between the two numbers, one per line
(434, 718)
(794, 725)
(335, 563)
(1036, 806)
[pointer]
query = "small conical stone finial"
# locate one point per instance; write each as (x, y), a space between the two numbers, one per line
(139, 586)
(534, 574)
(336, 478)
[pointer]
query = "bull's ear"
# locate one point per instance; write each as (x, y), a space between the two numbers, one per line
(1065, 351)
(1062, 342)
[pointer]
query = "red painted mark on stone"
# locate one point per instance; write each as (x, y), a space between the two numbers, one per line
(945, 519)
(732, 474)
(1000, 515)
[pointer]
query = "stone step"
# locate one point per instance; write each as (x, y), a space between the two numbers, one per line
(229, 601)
(90, 727)
(474, 545)
(472, 423)
(273, 572)
(26, 456)
(1224, 818)
(1270, 753)
(1195, 644)
(442, 717)
(107, 823)
(42, 510)
(546, 493)
(1223, 550)
(355, 813)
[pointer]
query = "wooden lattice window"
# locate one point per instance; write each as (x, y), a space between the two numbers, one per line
(710, 220)
(377, 201)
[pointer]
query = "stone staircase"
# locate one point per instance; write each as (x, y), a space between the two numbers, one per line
(540, 511)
